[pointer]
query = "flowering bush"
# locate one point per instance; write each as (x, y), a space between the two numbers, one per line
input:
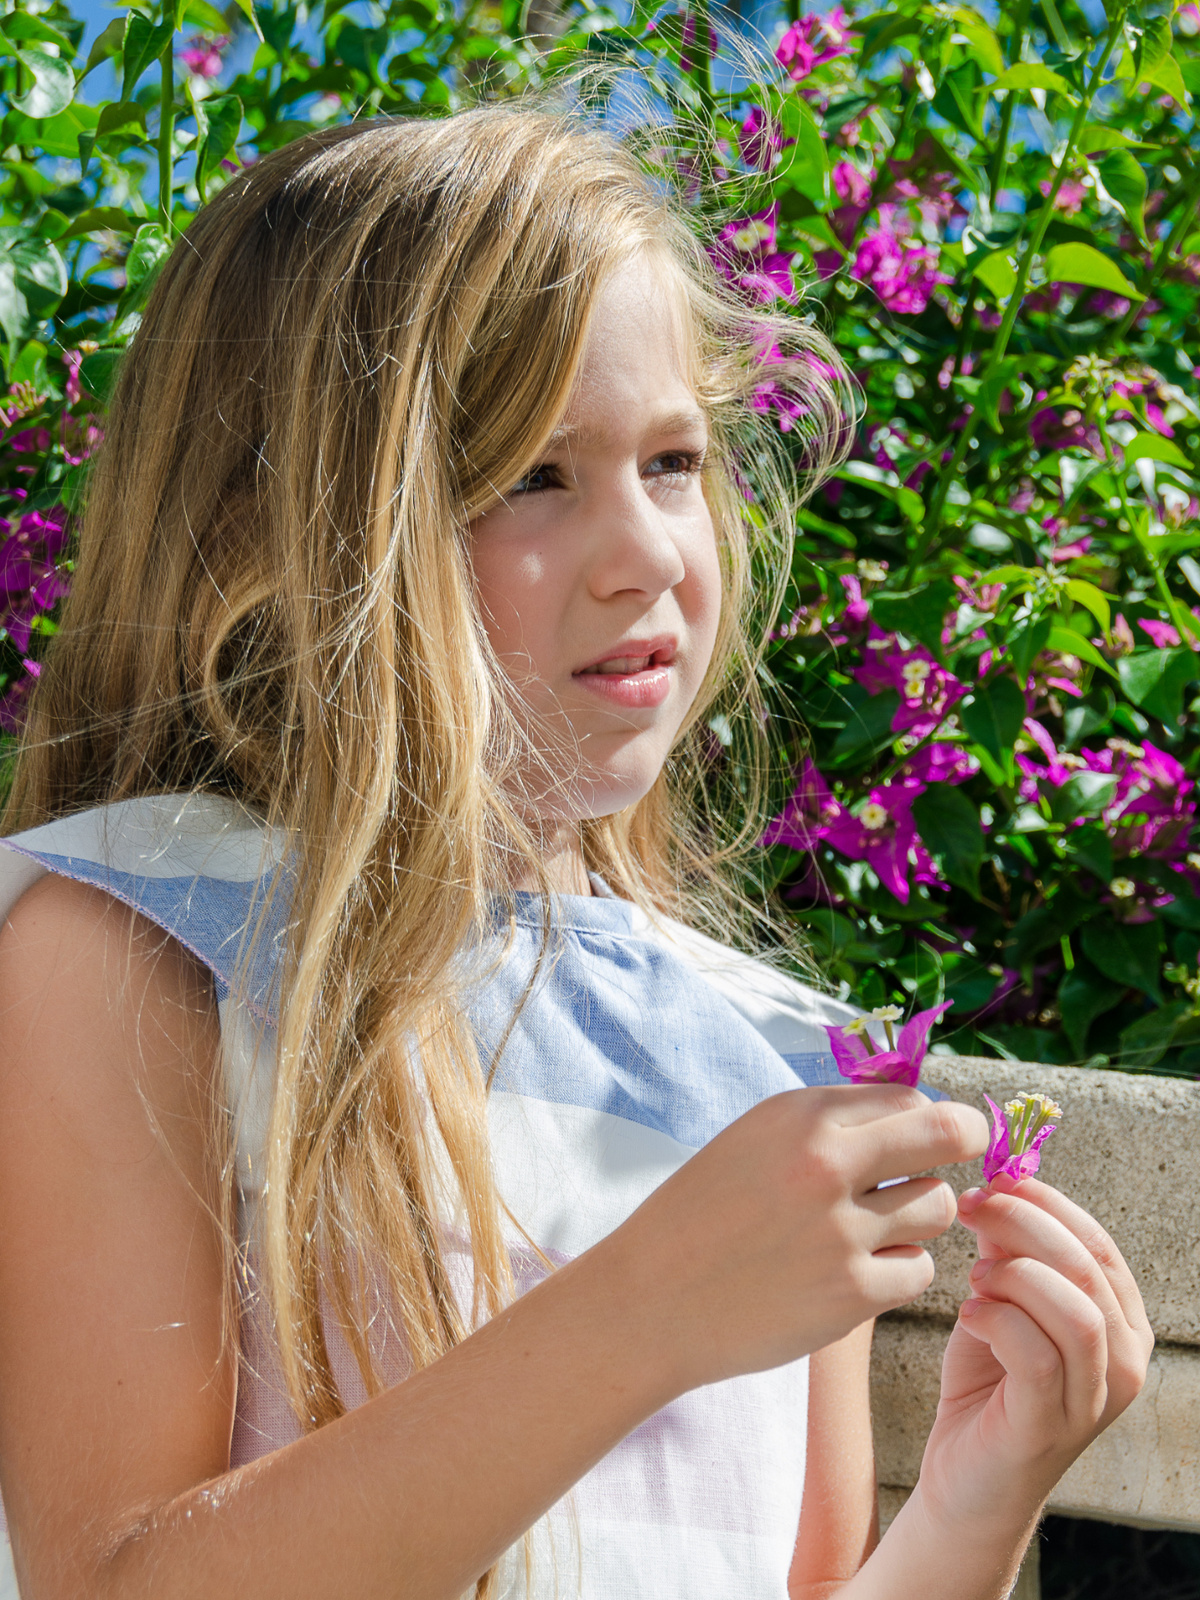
(985, 684)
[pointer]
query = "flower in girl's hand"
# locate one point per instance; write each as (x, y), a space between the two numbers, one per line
(858, 1059)
(1018, 1134)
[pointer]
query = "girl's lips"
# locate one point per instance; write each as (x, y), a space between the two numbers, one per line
(646, 687)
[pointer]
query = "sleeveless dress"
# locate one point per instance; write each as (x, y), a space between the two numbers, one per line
(639, 1042)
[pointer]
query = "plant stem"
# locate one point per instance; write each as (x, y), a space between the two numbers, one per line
(166, 137)
(1175, 609)
(937, 505)
(1010, 102)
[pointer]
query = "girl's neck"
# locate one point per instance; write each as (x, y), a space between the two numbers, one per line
(562, 856)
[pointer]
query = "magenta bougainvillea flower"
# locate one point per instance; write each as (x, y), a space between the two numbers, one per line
(881, 833)
(745, 253)
(810, 806)
(31, 582)
(812, 41)
(903, 274)
(202, 56)
(858, 1059)
(1018, 1134)
(928, 692)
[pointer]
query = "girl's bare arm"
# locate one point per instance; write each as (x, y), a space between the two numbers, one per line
(839, 1522)
(117, 1400)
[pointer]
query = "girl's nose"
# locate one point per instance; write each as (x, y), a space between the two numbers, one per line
(634, 547)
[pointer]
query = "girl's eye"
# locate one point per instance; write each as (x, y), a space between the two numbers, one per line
(536, 481)
(678, 464)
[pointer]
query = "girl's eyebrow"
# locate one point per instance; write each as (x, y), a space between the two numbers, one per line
(601, 439)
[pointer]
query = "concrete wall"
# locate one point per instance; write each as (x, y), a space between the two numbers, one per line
(1128, 1150)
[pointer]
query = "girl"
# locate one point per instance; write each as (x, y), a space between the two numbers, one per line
(353, 975)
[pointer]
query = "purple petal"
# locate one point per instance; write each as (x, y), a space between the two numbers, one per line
(889, 1066)
(850, 1050)
(914, 1036)
(997, 1155)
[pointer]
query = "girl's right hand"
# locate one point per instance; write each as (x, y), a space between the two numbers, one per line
(776, 1240)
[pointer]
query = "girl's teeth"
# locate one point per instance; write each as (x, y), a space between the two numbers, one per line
(624, 664)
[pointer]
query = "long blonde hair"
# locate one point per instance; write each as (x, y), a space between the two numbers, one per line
(356, 344)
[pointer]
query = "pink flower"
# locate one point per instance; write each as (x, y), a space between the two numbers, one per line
(745, 253)
(202, 56)
(812, 41)
(12, 701)
(903, 274)
(939, 763)
(882, 834)
(761, 140)
(1018, 1134)
(1070, 196)
(30, 579)
(809, 807)
(858, 1059)
(928, 691)
(1162, 634)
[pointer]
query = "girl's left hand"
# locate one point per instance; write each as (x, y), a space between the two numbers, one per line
(1052, 1346)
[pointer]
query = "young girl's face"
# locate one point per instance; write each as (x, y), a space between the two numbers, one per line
(597, 574)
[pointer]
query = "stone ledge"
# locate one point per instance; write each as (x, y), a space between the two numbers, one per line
(1144, 1470)
(1128, 1150)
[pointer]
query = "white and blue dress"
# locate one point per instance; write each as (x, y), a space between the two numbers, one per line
(639, 1042)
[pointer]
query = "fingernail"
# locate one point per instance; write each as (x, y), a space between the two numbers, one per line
(980, 1270)
(970, 1198)
(969, 1308)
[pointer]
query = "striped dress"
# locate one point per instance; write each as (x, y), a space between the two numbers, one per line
(639, 1042)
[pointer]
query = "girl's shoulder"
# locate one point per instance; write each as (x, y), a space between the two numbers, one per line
(197, 865)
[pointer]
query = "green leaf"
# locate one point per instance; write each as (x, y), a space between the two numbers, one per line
(24, 25)
(150, 248)
(1155, 680)
(1093, 599)
(1125, 181)
(1069, 643)
(223, 114)
(968, 982)
(1029, 75)
(247, 9)
(1090, 847)
(868, 730)
(1085, 794)
(14, 311)
(997, 274)
(1026, 644)
(41, 273)
(1082, 263)
(97, 219)
(98, 373)
(887, 484)
(951, 831)
(120, 114)
(980, 37)
(1153, 447)
(53, 85)
(920, 613)
(993, 716)
(1130, 953)
(1094, 139)
(144, 42)
(202, 15)
(106, 45)
(1166, 75)
(1148, 1039)
(1153, 46)
(1084, 995)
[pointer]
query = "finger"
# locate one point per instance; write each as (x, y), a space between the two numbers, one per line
(906, 1212)
(935, 1134)
(1031, 1396)
(1099, 1245)
(1071, 1320)
(851, 1104)
(1014, 1226)
(896, 1275)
